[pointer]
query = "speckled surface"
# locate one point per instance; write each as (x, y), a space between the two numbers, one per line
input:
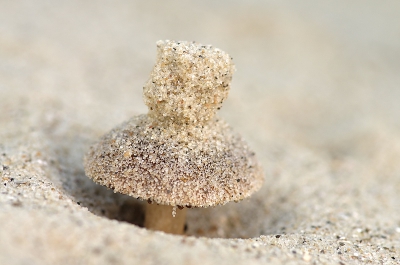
(179, 153)
(315, 94)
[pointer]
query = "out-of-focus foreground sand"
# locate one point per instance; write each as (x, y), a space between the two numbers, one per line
(316, 94)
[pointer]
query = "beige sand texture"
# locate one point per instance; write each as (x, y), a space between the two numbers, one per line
(316, 95)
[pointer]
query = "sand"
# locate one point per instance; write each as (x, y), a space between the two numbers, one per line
(315, 95)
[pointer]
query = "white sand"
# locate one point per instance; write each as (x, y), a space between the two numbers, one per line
(315, 94)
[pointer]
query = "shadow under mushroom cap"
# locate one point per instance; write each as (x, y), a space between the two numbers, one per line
(193, 166)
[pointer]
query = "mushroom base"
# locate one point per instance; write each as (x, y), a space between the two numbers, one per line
(160, 218)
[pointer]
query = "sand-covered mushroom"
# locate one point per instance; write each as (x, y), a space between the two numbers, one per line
(179, 154)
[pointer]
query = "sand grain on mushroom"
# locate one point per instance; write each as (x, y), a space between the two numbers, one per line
(179, 153)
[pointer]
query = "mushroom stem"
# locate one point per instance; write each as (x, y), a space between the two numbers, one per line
(159, 217)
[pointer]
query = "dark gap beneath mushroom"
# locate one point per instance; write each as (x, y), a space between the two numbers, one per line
(132, 211)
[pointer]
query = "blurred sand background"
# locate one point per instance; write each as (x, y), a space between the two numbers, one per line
(316, 94)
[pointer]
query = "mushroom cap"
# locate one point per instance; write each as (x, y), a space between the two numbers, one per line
(179, 154)
(194, 166)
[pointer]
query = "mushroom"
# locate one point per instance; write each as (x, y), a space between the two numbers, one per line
(179, 154)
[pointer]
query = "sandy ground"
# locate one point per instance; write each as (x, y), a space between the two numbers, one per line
(316, 94)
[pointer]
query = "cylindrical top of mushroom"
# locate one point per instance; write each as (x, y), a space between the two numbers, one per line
(188, 83)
